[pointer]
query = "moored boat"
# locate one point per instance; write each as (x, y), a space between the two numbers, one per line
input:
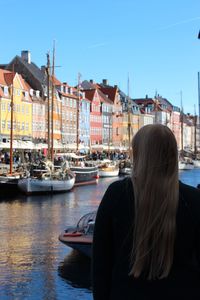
(37, 186)
(8, 186)
(47, 180)
(196, 163)
(125, 167)
(108, 169)
(185, 165)
(80, 237)
(85, 175)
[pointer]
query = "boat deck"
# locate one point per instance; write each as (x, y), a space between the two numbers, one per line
(82, 239)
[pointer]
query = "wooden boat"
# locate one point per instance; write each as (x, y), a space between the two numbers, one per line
(80, 237)
(108, 169)
(8, 186)
(185, 165)
(125, 167)
(196, 163)
(9, 181)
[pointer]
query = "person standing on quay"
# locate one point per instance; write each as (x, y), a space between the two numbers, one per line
(147, 233)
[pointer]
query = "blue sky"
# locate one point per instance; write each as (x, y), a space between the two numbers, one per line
(153, 41)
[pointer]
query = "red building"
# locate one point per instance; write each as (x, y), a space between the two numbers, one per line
(95, 117)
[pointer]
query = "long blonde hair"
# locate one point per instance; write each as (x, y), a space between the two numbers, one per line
(155, 182)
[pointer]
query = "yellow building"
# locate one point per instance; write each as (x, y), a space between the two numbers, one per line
(134, 127)
(22, 107)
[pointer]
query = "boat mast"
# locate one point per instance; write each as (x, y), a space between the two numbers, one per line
(199, 106)
(195, 133)
(52, 103)
(78, 112)
(129, 122)
(48, 99)
(181, 123)
(109, 127)
(11, 122)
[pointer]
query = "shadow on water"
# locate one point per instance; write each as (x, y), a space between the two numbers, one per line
(76, 270)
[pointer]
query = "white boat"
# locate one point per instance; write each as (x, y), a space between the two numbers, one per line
(108, 169)
(185, 165)
(125, 167)
(125, 171)
(196, 163)
(80, 236)
(45, 185)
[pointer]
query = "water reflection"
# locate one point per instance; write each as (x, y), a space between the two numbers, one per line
(76, 270)
(33, 263)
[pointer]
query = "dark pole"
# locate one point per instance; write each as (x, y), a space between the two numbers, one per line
(48, 110)
(11, 123)
(199, 106)
(78, 113)
(52, 105)
(199, 98)
(181, 124)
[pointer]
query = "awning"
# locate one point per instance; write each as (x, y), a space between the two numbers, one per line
(18, 144)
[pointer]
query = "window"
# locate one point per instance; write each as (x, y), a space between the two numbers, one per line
(5, 90)
(3, 124)
(26, 95)
(8, 125)
(3, 106)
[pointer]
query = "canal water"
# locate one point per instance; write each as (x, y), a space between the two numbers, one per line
(33, 263)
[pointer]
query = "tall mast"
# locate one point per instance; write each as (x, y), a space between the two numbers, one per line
(109, 127)
(11, 122)
(78, 112)
(129, 121)
(195, 132)
(199, 105)
(48, 110)
(52, 102)
(181, 123)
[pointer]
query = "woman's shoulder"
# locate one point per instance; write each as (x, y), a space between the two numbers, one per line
(191, 197)
(189, 191)
(120, 186)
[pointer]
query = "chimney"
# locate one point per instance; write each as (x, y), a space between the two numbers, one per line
(146, 97)
(105, 81)
(26, 56)
(115, 86)
(91, 81)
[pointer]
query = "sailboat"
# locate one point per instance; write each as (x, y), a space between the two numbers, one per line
(48, 180)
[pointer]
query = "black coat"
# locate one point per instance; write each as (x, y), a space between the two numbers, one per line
(113, 241)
